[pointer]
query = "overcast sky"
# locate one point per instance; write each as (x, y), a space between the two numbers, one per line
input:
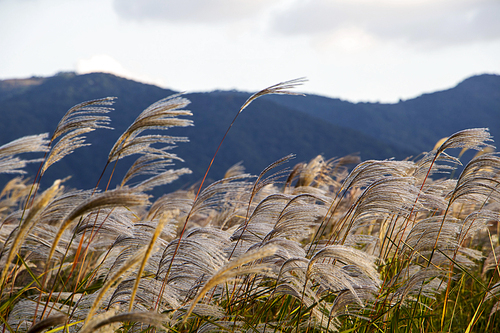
(359, 50)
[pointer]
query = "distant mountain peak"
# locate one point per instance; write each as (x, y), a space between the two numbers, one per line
(13, 86)
(481, 81)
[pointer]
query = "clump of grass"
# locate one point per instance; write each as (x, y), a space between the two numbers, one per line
(387, 246)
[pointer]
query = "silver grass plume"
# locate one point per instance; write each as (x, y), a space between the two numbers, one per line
(262, 220)
(273, 178)
(200, 255)
(417, 282)
(120, 197)
(479, 180)
(229, 326)
(233, 269)
(493, 293)
(179, 202)
(475, 138)
(215, 193)
(148, 291)
(114, 223)
(384, 197)
(428, 165)
(19, 316)
(322, 174)
(28, 144)
(13, 192)
(310, 171)
(475, 188)
(348, 256)
(299, 217)
(364, 175)
(39, 242)
(292, 281)
(163, 178)
(475, 223)
(369, 171)
(282, 88)
(207, 310)
(260, 183)
(345, 304)
(80, 119)
(147, 164)
(235, 170)
(147, 254)
(160, 115)
(424, 233)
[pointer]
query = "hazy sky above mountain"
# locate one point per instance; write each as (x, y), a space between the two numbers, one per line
(360, 50)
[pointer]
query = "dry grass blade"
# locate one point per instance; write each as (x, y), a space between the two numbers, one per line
(149, 318)
(147, 254)
(47, 323)
(28, 223)
(117, 276)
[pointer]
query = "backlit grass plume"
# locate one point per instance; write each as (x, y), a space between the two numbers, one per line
(9, 163)
(80, 119)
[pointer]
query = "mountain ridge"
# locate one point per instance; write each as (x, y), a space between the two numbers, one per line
(273, 126)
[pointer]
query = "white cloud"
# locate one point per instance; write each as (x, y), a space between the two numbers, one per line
(103, 63)
(191, 11)
(430, 23)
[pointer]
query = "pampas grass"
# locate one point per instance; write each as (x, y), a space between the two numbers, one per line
(385, 246)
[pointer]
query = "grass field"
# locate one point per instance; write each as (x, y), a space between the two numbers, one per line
(329, 245)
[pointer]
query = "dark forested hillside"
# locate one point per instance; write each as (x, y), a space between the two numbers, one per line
(270, 128)
(414, 124)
